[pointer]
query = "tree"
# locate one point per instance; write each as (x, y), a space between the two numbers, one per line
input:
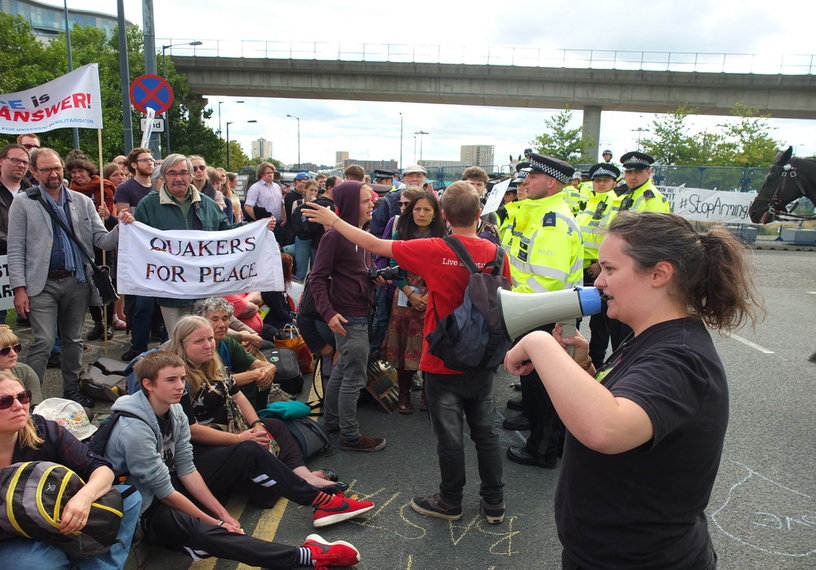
(748, 138)
(671, 143)
(560, 141)
(26, 63)
(237, 156)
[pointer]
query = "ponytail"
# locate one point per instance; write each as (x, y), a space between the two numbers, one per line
(712, 277)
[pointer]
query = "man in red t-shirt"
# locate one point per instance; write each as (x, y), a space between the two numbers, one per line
(452, 395)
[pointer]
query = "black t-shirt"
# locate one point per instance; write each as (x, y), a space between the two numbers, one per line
(644, 508)
(168, 443)
(208, 405)
(132, 192)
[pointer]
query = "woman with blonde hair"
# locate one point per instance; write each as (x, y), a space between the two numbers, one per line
(24, 437)
(228, 435)
(10, 349)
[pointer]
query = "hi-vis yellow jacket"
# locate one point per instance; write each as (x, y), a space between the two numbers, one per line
(543, 244)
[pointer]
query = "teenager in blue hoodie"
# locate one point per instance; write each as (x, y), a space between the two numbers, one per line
(153, 448)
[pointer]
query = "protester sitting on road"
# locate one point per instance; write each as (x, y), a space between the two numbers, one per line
(26, 438)
(10, 349)
(645, 434)
(227, 434)
(153, 449)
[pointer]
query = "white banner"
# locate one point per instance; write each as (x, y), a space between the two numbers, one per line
(6, 294)
(191, 264)
(713, 205)
(72, 100)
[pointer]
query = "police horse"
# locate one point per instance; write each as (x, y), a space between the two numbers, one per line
(789, 179)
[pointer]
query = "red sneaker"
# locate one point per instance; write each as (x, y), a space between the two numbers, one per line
(325, 554)
(339, 509)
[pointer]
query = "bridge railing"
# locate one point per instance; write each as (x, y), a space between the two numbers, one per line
(521, 56)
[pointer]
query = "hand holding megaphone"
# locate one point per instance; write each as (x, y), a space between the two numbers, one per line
(523, 312)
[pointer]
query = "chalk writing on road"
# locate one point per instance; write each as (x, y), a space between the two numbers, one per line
(763, 514)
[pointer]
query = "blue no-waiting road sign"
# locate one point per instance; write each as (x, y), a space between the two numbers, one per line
(151, 92)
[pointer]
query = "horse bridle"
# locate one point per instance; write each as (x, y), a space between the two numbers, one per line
(789, 172)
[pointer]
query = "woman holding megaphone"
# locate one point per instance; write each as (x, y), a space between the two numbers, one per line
(646, 433)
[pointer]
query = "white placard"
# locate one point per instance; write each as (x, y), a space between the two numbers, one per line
(494, 200)
(191, 264)
(6, 294)
(72, 100)
(713, 205)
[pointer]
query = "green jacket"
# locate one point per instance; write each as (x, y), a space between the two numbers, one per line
(160, 211)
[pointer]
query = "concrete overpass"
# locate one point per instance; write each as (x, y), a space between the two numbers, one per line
(590, 90)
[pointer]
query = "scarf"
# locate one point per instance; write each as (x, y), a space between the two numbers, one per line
(91, 190)
(73, 257)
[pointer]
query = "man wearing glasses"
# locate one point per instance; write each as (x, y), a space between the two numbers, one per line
(48, 273)
(13, 168)
(139, 310)
(178, 205)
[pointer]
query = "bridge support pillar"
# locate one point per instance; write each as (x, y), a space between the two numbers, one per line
(592, 130)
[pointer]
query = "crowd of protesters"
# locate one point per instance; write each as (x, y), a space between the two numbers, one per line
(378, 262)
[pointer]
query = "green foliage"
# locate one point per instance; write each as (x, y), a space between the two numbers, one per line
(256, 161)
(560, 141)
(671, 143)
(25, 63)
(745, 142)
(237, 156)
(748, 138)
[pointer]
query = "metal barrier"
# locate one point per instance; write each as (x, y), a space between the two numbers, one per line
(794, 64)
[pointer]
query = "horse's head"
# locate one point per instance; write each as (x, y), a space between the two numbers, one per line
(770, 195)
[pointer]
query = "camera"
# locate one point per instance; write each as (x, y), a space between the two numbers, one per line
(388, 273)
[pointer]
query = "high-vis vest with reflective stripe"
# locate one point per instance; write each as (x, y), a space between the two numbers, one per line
(544, 246)
(593, 230)
(647, 198)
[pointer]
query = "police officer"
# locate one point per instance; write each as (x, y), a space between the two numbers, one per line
(601, 208)
(639, 194)
(545, 251)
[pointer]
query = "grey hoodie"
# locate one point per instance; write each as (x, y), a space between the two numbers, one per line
(135, 447)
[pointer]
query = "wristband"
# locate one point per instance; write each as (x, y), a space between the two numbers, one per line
(219, 522)
(256, 422)
(334, 222)
(586, 364)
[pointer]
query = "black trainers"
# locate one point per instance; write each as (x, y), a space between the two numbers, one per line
(493, 513)
(129, 355)
(433, 506)
(363, 443)
(80, 398)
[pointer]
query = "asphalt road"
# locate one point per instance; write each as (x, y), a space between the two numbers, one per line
(762, 513)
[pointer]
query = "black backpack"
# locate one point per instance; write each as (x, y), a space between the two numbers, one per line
(472, 337)
(99, 440)
(34, 495)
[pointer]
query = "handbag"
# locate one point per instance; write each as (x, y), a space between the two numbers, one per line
(289, 337)
(101, 273)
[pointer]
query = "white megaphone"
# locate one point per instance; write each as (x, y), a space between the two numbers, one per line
(523, 312)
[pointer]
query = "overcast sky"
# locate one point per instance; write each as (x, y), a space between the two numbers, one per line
(369, 130)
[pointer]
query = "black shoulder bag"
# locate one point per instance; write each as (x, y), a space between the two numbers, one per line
(101, 273)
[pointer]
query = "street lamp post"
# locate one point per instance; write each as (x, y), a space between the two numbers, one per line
(420, 133)
(164, 68)
(232, 123)
(220, 132)
(298, 125)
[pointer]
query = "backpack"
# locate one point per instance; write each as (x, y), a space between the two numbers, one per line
(472, 337)
(311, 436)
(99, 440)
(102, 383)
(35, 493)
(288, 375)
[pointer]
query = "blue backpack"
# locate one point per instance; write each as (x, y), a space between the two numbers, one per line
(472, 337)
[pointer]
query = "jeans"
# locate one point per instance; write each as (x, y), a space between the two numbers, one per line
(451, 400)
(379, 326)
(141, 321)
(347, 379)
(61, 305)
(25, 553)
(303, 253)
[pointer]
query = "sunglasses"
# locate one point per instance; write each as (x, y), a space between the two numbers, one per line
(7, 350)
(7, 400)
(404, 203)
(196, 168)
